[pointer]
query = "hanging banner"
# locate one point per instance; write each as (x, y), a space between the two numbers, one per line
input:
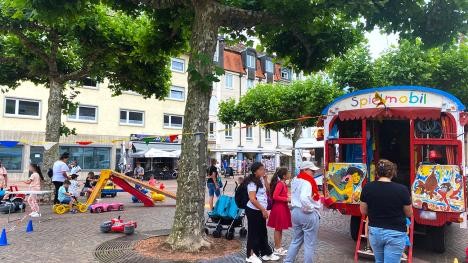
(152, 138)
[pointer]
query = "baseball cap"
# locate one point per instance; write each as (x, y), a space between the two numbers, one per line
(309, 165)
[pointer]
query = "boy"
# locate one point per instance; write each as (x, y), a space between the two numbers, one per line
(64, 196)
(74, 187)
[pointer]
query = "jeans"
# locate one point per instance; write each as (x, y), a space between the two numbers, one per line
(57, 185)
(305, 227)
(66, 200)
(257, 236)
(212, 190)
(388, 245)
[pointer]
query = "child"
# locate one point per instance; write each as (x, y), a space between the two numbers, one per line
(34, 182)
(74, 187)
(87, 185)
(407, 240)
(152, 181)
(64, 196)
(280, 215)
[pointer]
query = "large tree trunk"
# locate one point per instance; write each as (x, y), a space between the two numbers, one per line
(53, 121)
(295, 137)
(188, 228)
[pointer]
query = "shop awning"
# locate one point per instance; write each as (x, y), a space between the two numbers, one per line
(391, 113)
(309, 143)
(158, 150)
(156, 153)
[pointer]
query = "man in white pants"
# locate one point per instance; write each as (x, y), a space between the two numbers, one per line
(305, 213)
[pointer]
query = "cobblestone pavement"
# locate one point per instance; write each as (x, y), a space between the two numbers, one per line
(74, 237)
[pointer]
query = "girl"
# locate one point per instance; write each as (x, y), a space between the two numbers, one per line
(152, 181)
(87, 185)
(257, 214)
(280, 215)
(34, 182)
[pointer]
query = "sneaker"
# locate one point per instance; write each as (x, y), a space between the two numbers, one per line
(32, 213)
(271, 257)
(253, 259)
(35, 214)
(280, 251)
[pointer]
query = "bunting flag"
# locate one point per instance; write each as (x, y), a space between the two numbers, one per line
(84, 142)
(9, 144)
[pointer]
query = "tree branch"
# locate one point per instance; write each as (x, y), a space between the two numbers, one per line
(84, 71)
(159, 4)
(238, 19)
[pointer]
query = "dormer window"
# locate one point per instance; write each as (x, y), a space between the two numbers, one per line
(269, 66)
(285, 73)
(251, 61)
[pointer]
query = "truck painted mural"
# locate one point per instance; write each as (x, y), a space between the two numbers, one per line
(438, 188)
(344, 181)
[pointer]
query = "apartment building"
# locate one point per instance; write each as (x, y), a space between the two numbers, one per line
(234, 146)
(100, 121)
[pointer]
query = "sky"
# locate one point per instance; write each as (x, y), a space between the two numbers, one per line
(380, 42)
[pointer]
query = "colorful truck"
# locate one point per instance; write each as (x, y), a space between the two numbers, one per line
(421, 130)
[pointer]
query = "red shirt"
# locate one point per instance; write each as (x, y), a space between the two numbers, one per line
(311, 180)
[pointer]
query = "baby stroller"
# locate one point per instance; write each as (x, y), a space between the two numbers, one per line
(226, 216)
(13, 203)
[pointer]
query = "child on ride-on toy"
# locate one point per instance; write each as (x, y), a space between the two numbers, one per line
(65, 197)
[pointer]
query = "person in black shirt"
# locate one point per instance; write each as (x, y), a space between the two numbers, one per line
(387, 204)
(212, 182)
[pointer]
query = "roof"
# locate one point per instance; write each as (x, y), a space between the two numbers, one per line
(258, 71)
(277, 73)
(233, 61)
(439, 92)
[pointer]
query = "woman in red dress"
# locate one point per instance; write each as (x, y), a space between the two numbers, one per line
(280, 215)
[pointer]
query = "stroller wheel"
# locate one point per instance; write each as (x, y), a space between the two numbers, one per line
(216, 234)
(229, 235)
(243, 232)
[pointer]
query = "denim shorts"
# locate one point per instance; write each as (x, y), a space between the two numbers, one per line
(66, 200)
(212, 190)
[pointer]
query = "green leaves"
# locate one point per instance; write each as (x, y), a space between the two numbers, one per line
(279, 102)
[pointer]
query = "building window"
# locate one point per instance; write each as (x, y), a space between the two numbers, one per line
(250, 83)
(84, 113)
(128, 117)
(178, 65)
(228, 131)
(229, 79)
(22, 108)
(90, 83)
(248, 133)
(36, 155)
(285, 74)
(89, 158)
(12, 157)
(177, 93)
(212, 130)
(173, 121)
(269, 66)
(267, 135)
(118, 156)
(250, 61)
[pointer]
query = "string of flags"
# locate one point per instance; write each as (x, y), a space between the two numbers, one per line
(170, 138)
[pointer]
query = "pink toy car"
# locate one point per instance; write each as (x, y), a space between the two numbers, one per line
(106, 207)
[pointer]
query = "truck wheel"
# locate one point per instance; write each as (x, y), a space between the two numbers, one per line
(437, 236)
(129, 230)
(354, 227)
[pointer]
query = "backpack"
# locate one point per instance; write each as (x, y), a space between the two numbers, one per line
(241, 196)
(50, 172)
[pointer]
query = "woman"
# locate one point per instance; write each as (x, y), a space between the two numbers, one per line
(280, 215)
(212, 182)
(387, 204)
(257, 214)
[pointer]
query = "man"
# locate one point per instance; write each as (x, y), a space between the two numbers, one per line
(59, 174)
(139, 172)
(305, 213)
(75, 168)
(212, 183)
(3, 176)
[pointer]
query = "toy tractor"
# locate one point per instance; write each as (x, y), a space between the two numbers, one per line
(61, 209)
(117, 225)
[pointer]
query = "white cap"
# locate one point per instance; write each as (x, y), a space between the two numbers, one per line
(309, 165)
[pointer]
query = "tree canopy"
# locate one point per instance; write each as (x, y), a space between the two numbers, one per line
(445, 68)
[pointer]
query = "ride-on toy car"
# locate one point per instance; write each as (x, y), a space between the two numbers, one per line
(106, 207)
(117, 225)
(63, 208)
(109, 190)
